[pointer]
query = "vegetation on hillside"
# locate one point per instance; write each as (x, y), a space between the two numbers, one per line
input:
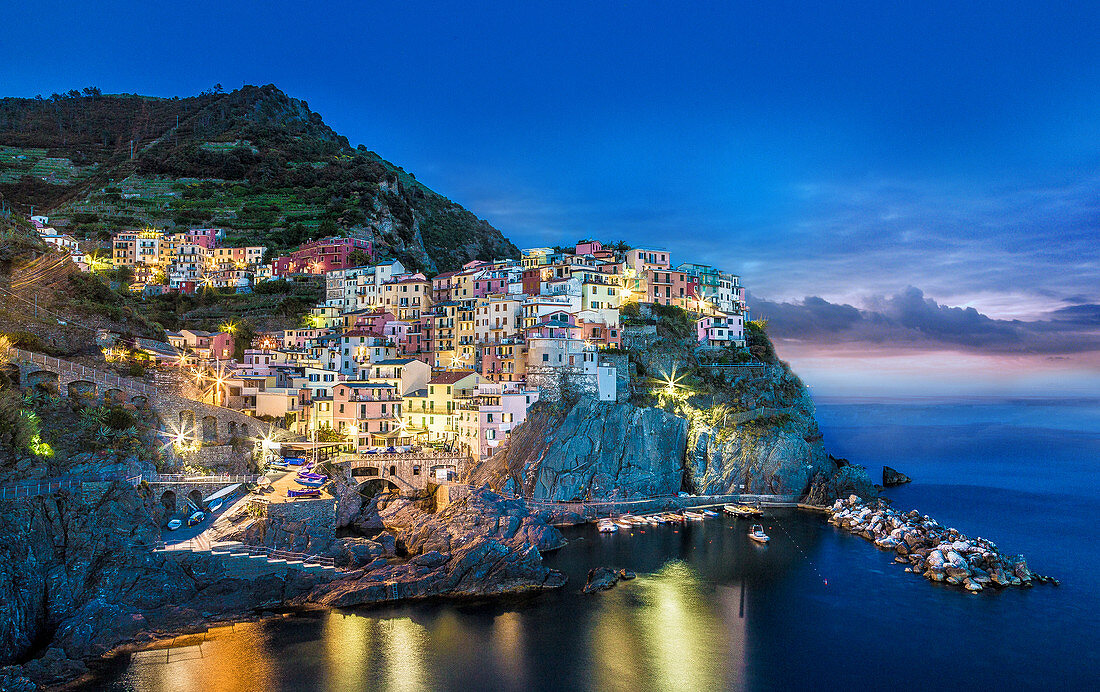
(254, 161)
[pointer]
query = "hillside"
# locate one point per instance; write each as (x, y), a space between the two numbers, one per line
(254, 161)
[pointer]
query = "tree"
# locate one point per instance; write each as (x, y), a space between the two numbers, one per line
(243, 334)
(327, 434)
(358, 258)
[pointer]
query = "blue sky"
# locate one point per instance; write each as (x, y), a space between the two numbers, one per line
(848, 151)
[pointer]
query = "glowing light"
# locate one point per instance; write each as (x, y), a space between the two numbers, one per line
(670, 383)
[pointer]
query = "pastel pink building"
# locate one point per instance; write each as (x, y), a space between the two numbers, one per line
(360, 409)
(321, 256)
(375, 320)
(204, 237)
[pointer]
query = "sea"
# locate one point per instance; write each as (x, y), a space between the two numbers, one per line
(710, 610)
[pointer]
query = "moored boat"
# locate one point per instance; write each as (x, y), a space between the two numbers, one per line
(214, 506)
(757, 534)
(311, 483)
(195, 518)
(694, 516)
(310, 492)
(709, 513)
(624, 520)
(174, 524)
(606, 526)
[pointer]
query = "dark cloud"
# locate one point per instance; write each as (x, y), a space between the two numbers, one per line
(909, 319)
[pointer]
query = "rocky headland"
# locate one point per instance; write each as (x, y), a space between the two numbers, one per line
(717, 430)
(936, 552)
(480, 545)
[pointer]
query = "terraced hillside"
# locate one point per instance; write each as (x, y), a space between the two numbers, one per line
(254, 161)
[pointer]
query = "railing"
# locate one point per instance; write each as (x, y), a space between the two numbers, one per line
(180, 478)
(96, 376)
(665, 502)
(199, 543)
(46, 487)
(399, 456)
(275, 554)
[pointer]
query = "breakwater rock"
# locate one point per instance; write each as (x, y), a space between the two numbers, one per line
(892, 477)
(936, 552)
(481, 545)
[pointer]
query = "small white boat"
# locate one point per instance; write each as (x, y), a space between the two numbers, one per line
(639, 521)
(174, 524)
(757, 534)
(694, 516)
(709, 513)
(625, 521)
(606, 526)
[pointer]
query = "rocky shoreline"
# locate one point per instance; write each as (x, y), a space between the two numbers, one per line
(938, 553)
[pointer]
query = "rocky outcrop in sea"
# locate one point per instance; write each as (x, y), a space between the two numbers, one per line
(936, 552)
(481, 545)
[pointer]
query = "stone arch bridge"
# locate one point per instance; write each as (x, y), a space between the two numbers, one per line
(410, 472)
(179, 416)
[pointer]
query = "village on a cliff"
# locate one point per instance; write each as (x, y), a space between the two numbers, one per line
(411, 437)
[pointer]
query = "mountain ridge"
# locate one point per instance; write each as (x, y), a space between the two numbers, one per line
(254, 160)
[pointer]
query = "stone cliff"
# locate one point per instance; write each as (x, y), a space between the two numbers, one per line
(715, 431)
(481, 545)
(592, 450)
(78, 577)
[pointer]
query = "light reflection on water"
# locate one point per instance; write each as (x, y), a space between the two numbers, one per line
(670, 628)
(647, 636)
(710, 610)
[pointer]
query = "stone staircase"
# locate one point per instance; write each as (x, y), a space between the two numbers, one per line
(249, 562)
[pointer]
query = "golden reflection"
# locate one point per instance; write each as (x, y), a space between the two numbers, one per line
(403, 646)
(660, 632)
(347, 647)
(508, 650)
(237, 661)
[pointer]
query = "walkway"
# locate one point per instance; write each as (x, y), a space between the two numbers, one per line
(607, 508)
(83, 372)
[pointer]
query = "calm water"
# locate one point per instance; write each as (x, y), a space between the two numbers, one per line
(710, 610)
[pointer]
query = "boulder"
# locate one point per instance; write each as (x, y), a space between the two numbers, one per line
(600, 579)
(893, 477)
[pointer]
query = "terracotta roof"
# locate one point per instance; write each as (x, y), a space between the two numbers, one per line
(450, 376)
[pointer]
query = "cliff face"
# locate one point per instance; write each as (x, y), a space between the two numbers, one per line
(775, 451)
(592, 450)
(78, 577)
(722, 432)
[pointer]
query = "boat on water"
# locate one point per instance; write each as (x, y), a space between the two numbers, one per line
(757, 534)
(606, 526)
(307, 492)
(624, 520)
(174, 524)
(694, 516)
(709, 513)
(195, 518)
(214, 506)
(743, 510)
